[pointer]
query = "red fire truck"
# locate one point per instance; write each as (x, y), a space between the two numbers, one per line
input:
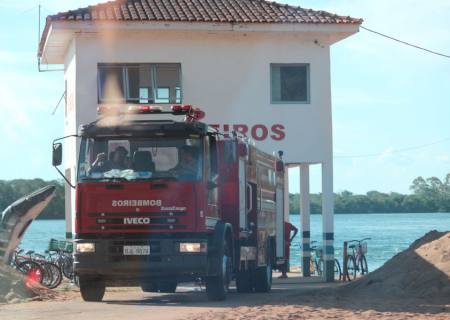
(159, 202)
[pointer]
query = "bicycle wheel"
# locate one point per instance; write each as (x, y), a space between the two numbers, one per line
(32, 270)
(337, 270)
(351, 267)
(53, 276)
(67, 267)
(363, 263)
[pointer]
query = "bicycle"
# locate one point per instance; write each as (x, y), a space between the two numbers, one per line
(33, 270)
(38, 268)
(64, 260)
(52, 272)
(60, 252)
(356, 261)
(316, 262)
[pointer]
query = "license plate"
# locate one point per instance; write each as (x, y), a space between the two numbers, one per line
(136, 250)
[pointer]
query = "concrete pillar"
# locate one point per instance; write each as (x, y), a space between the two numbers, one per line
(328, 220)
(68, 205)
(286, 194)
(286, 205)
(305, 218)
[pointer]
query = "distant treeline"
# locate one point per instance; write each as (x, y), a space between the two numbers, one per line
(428, 195)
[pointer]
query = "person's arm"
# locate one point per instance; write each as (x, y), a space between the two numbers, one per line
(293, 228)
(100, 157)
(99, 163)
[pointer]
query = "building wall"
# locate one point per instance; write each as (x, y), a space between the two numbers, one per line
(227, 74)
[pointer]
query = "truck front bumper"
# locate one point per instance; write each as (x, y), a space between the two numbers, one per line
(164, 261)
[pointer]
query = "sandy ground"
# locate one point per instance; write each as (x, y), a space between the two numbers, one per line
(414, 284)
(293, 298)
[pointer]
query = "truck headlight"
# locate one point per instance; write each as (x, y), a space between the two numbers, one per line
(188, 247)
(85, 247)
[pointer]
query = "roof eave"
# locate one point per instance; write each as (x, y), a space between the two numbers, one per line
(52, 28)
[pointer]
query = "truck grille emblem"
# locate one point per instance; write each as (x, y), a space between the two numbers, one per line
(136, 220)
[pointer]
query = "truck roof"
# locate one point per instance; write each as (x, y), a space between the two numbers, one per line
(143, 128)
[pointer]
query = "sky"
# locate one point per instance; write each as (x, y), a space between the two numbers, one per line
(386, 97)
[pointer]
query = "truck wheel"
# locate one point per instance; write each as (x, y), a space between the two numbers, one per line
(149, 287)
(217, 286)
(244, 282)
(263, 278)
(167, 287)
(92, 289)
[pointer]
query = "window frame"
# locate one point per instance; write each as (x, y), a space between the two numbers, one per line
(125, 83)
(308, 82)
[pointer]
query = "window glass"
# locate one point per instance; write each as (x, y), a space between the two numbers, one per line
(290, 83)
(167, 82)
(162, 95)
(111, 83)
(139, 83)
(133, 76)
(141, 158)
(144, 95)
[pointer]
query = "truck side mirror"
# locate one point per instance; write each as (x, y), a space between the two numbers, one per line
(57, 154)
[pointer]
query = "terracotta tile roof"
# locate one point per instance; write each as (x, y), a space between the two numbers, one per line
(226, 11)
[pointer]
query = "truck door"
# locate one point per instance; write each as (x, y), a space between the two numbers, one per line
(212, 180)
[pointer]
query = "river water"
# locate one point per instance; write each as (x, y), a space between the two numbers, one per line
(389, 233)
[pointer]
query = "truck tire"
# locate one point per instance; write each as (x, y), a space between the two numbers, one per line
(167, 287)
(149, 287)
(217, 286)
(92, 290)
(263, 278)
(244, 281)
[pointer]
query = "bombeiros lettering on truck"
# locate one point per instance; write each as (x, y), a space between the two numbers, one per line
(136, 203)
(161, 202)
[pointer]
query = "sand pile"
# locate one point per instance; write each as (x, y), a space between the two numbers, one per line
(422, 271)
(14, 288)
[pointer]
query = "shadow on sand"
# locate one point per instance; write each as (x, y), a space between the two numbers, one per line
(405, 284)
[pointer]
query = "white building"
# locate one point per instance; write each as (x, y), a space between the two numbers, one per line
(258, 67)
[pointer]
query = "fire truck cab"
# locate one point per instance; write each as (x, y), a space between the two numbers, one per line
(159, 202)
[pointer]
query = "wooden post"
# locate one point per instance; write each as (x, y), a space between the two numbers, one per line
(344, 264)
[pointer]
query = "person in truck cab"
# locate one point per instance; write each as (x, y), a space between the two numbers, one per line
(187, 166)
(117, 160)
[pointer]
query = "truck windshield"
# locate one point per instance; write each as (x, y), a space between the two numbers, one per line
(140, 159)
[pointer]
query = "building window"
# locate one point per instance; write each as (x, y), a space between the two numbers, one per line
(139, 83)
(289, 83)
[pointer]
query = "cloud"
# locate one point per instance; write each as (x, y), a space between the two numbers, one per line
(445, 157)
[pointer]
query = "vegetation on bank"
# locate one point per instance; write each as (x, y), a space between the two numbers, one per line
(428, 195)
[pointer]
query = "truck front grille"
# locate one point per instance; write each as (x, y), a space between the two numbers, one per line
(137, 221)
